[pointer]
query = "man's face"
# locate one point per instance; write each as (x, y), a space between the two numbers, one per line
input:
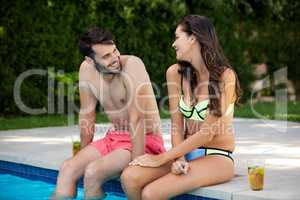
(108, 55)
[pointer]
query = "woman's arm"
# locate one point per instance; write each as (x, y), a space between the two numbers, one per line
(177, 124)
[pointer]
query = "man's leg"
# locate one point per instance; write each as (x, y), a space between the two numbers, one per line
(72, 169)
(99, 171)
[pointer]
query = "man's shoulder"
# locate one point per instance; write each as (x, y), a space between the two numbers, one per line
(130, 60)
(86, 67)
(133, 63)
(133, 58)
(86, 70)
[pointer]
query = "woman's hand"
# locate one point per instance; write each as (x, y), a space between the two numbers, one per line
(180, 166)
(148, 160)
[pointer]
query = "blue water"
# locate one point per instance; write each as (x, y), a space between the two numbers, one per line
(17, 188)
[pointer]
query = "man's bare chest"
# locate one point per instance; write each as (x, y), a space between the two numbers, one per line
(113, 95)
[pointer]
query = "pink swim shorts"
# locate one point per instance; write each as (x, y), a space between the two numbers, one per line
(121, 140)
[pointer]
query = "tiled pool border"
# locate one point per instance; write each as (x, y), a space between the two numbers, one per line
(50, 176)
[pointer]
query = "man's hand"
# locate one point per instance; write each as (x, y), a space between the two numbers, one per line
(180, 166)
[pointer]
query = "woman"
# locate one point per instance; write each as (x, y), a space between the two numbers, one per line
(202, 91)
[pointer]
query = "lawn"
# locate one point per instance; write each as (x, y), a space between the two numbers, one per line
(23, 122)
(266, 110)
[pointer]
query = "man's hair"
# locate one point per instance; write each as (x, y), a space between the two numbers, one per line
(94, 35)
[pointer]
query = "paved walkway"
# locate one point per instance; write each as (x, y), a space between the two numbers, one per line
(277, 142)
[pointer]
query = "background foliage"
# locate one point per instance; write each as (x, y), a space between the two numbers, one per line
(43, 34)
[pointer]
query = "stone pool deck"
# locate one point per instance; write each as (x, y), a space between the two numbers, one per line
(277, 142)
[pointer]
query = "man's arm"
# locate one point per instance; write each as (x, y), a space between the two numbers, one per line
(137, 132)
(87, 114)
(137, 85)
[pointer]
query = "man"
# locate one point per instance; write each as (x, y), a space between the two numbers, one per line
(122, 86)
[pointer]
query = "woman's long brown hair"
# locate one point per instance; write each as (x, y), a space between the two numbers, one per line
(212, 55)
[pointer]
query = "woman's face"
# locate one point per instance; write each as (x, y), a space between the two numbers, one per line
(181, 44)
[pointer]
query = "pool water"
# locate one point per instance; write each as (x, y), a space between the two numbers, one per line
(17, 188)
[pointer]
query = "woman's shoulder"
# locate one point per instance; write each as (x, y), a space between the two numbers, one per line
(228, 75)
(172, 71)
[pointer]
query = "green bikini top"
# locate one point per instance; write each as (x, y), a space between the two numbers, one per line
(199, 111)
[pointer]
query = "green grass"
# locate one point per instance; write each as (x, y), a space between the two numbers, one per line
(265, 109)
(23, 122)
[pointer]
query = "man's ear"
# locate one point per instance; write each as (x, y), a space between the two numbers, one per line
(89, 60)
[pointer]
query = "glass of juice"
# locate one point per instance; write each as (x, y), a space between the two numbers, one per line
(75, 145)
(256, 172)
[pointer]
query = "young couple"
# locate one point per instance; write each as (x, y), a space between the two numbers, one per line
(202, 89)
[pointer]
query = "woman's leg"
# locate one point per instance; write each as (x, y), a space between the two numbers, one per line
(134, 178)
(205, 171)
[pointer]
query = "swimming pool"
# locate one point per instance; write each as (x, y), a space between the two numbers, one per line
(14, 187)
(20, 181)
